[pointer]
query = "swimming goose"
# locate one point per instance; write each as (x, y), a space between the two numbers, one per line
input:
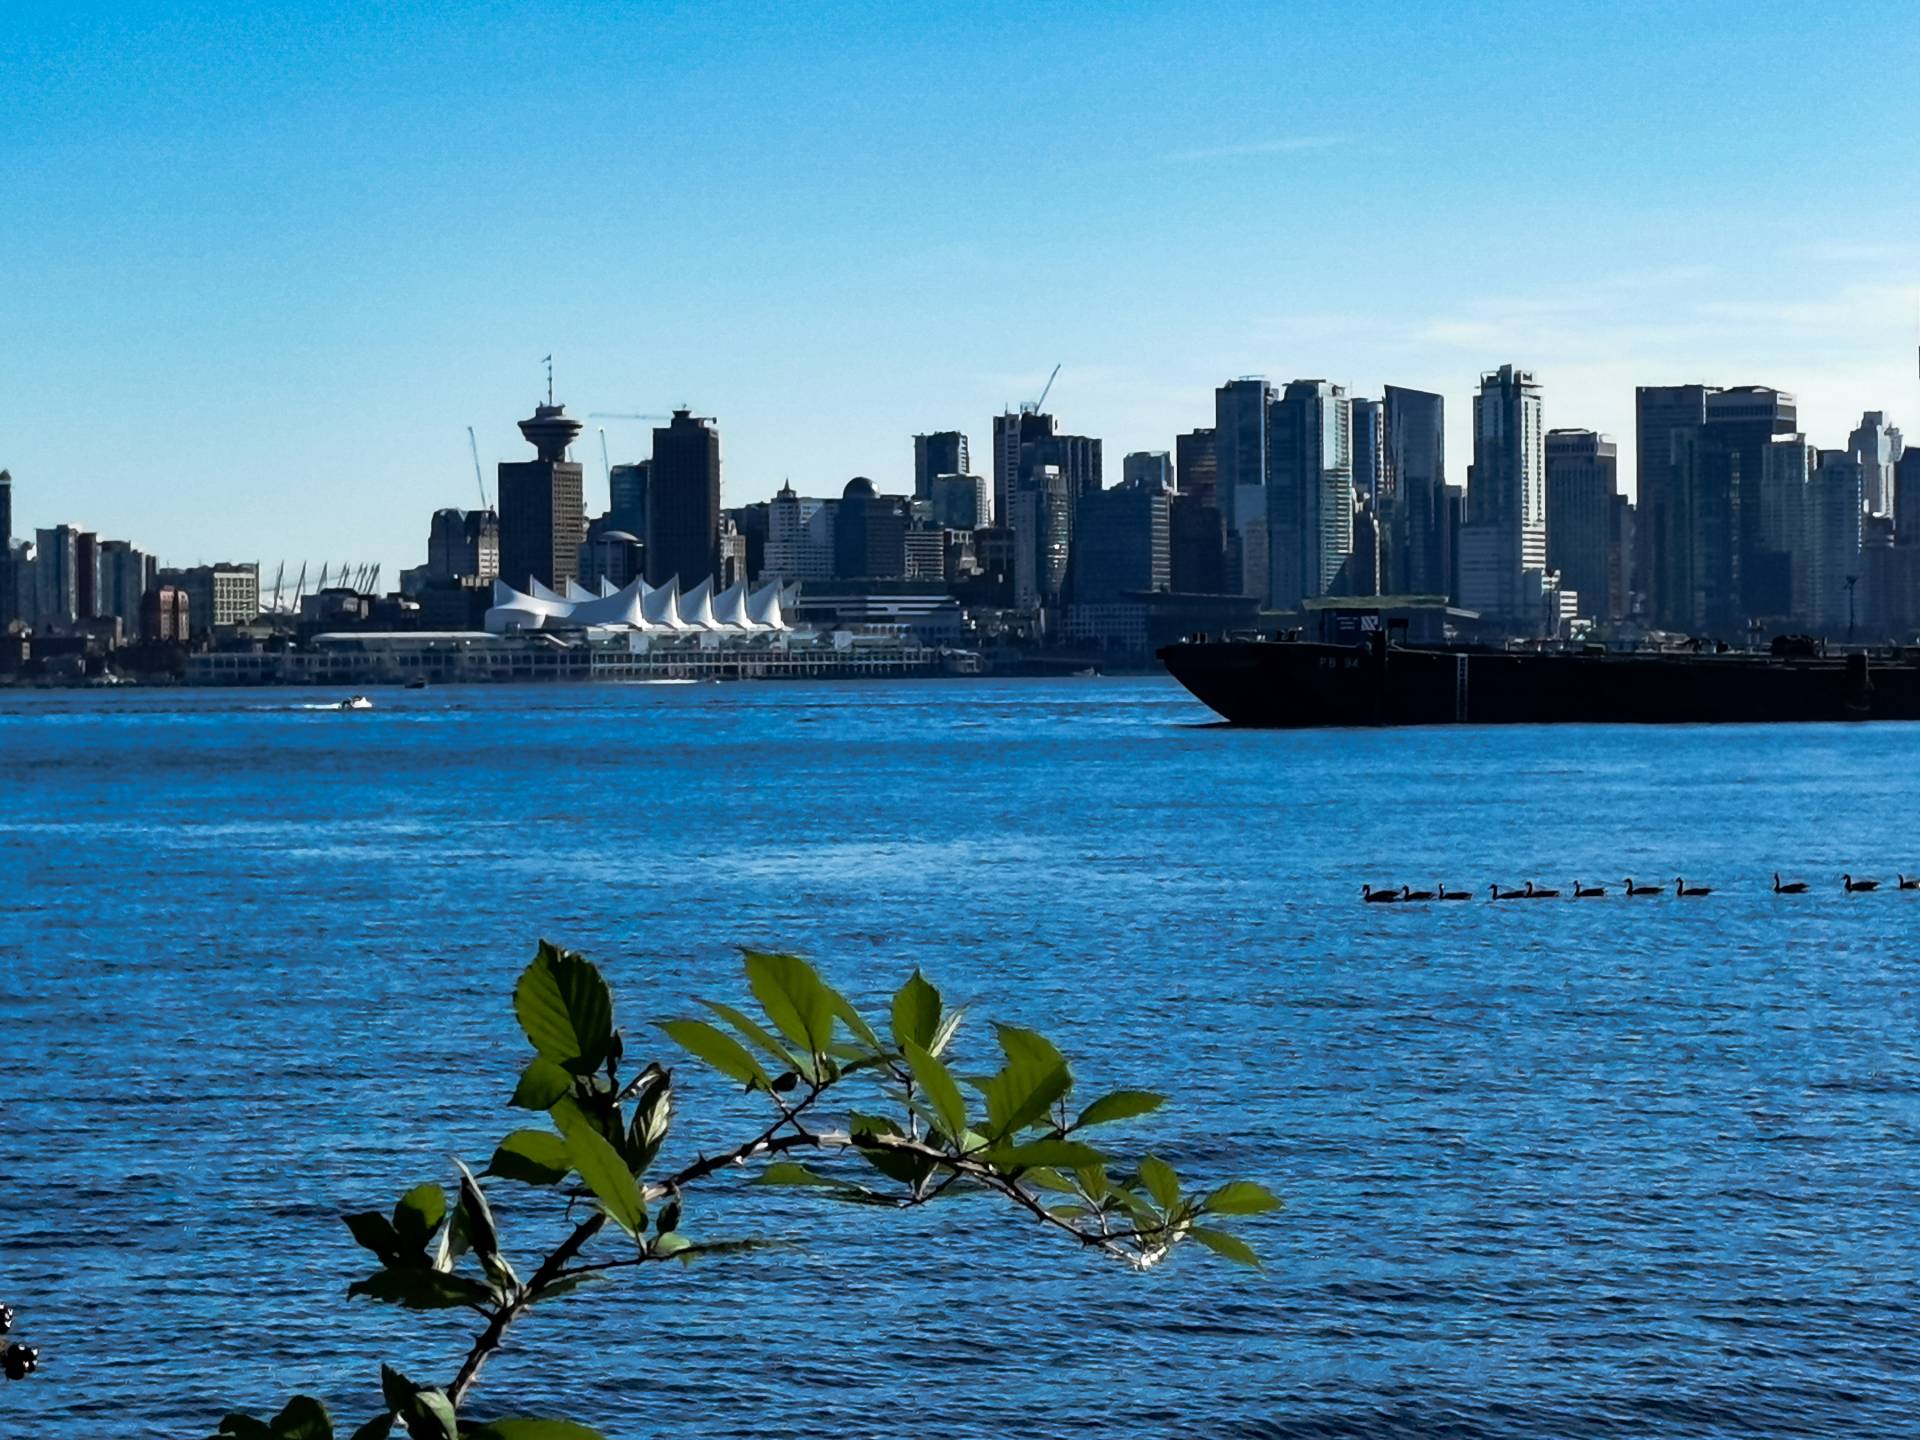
(1680, 887)
(1407, 893)
(1633, 889)
(1446, 894)
(1858, 887)
(1792, 887)
(1588, 892)
(1378, 897)
(1534, 893)
(1913, 884)
(1499, 894)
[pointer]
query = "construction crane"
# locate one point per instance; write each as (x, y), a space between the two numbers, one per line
(619, 415)
(478, 478)
(1045, 389)
(606, 466)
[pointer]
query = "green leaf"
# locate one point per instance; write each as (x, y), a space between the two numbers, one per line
(419, 1214)
(1221, 1243)
(855, 1022)
(671, 1243)
(429, 1416)
(756, 1034)
(651, 1116)
(937, 1081)
(1024, 1090)
(1160, 1181)
(521, 1429)
(304, 1418)
(916, 1013)
(719, 1049)
(566, 1009)
(786, 1172)
(375, 1232)
(542, 1083)
(1058, 1154)
(1241, 1197)
(1042, 1178)
(481, 1231)
(533, 1157)
(395, 1388)
(1120, 1105)
(800, 1006)
(421, 1289)
(604, 1170)
(378, 1428)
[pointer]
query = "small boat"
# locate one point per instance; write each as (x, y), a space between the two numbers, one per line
(418, 682)
(355, 702)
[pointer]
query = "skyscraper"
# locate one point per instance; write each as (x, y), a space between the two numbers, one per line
(463, 545)
(1025, 441)
(683, 501)
(1583, 482)
(1309, 491)
(1503, 544)
(1121, 543)
(1662, 568)
(1149, 468)
(1417, 542)
(1878, 447)
(627, 498)
(542, 507)
(1195, 470)
(1836, 493)
(1240, 478)
(944, 452)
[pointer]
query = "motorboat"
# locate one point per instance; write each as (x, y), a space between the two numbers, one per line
(355, 702)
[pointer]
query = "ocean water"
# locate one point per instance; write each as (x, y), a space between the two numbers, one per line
(1619, 1168)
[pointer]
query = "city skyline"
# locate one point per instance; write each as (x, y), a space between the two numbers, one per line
(211, 206)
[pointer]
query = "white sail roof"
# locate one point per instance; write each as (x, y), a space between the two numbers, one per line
(661, 610)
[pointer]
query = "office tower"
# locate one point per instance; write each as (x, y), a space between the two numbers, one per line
(1042, 529)
(1195, 468)
(1198, 544)
(56, 577)
(542, 504)
(125, 574)
(683, 501)
(1906, 497)
(1417, 543)
(942, 453)
(1620, 552)
(614, 557)
(463, 545)
(752, 523)
(1372, 472)
(1836, 493)
(1122, 543)
(1503, 544)
(1583, 484)
(218, 596)
(960, 502)
(731, 555)
(166, 616)
(627, 498)
(1150, 468)
(6, 510)
(1241, 471)
(1878, 447)
(1026, 441)
(1745, 420)
(1374, 501)
(1309, 491)
(869, 533)
(1782, 523)
(1659, 411)
(800, 541)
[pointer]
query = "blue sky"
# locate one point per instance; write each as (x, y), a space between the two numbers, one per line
(263, 266)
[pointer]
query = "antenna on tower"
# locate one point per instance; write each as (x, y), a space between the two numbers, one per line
(549, 365)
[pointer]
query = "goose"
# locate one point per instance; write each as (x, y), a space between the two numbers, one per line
(1407, 893)
(1913, 884)
(1633, 889)
(1858, 887)
(1446, 894)
(1588, 892)
(1680, 887)
(1378, 897)
(1792, 887)
(1534, 893)
(1499, 894)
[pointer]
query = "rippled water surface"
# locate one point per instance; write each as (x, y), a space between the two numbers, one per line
(1574, 1169)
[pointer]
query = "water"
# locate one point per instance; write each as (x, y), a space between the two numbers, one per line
(1626, 1168)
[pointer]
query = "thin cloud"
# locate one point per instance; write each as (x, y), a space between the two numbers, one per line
(1282, 145)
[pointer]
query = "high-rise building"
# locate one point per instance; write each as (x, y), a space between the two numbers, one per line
(1026, 441)
(1745, 420)
(1836, 492)
(683, 501)
(1198, 540)
(166, 615)
(1372, 461)
(1309, 491)
(56, 575)
(869, 533)
(627, 498)
(463, 545)
(613, 556)
(1583, 482)
(1122, 542)
(944, 452)
(1784, 517)
(542, 504)
(1878, 447)
(1906, 497)
(800, 539)
(1660, 564)
(9, 583)
(1416, 544)
(126, 573)
(960, 502)
(1042, 532)
(1241, 471)
(1152, 468)
(1503, 545)
(218, 596)
(1196, 471)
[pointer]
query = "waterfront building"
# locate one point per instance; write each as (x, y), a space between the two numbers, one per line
(683, 499)
(1583, 484)
(542, 503)
(1148, 468)
(1503, 544)
(1309, 491)
(1196, 470)
(960, 502)
(870, 533)
(1662, 567)
(218, 596)
(1241, 471)
(1878, 447)
(944, 452)
(463, 545)
(627, 498)
(800, 538)
(1417, 541)
(927, 553)
(166, 616)
(1122, 542)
